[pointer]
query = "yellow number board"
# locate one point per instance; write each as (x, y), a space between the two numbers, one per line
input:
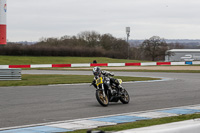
(99, 81)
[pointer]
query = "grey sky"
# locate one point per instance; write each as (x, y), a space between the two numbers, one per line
(29, 20)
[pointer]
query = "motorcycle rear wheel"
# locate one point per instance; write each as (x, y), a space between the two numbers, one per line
(101, 99)
(124, 97)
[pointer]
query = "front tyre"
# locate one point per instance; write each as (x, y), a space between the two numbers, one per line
(124, 97)
(101, 99)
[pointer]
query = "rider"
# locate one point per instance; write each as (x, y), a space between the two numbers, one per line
(98, 73)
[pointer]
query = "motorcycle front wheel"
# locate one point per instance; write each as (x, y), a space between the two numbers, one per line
(101, 99)
(124, 97)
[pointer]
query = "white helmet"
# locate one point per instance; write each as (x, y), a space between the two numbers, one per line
(97, 71)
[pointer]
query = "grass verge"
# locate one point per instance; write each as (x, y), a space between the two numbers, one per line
(144, 123)
(26, 60)
(29, 80)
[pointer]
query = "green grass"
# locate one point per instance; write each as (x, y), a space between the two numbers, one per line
(29, 80)
(144, 123)
(25, 60)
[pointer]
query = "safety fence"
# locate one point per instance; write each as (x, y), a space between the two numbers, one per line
(101, 64)
(10, 74)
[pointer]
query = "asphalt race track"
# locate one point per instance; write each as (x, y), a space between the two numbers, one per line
(41, 104)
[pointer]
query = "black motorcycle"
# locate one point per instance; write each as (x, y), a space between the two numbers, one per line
(110, 90)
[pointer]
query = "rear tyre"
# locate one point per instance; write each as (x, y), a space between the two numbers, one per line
(101, 99)
(124, 97)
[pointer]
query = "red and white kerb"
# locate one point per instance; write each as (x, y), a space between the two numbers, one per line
(3, 11)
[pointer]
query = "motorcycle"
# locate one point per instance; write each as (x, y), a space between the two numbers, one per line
(107, 91)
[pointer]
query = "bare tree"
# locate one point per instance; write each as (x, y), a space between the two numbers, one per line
(107, 41)
(154, 48)
(90, 37)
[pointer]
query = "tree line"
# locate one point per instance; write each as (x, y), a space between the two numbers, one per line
(92, 44)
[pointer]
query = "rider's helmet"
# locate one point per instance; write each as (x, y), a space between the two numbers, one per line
(97, 71)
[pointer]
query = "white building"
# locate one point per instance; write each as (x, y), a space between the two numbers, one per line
(183, 55)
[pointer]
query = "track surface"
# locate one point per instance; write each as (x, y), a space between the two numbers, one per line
(39, 104)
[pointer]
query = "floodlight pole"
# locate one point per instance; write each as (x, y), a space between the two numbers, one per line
(128, 34)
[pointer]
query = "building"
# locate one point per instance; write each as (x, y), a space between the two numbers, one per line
(183, 55)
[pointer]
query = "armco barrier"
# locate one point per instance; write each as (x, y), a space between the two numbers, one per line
(188, 62)
(99, 64)
(132, 64)
(19, 66)
(196, 62)
(41, 66)
(10, 74)
(149, 64)
(61, 65)
(80, 65)
(163, 63)
(4, 66)
(178, 63)
(116, 64)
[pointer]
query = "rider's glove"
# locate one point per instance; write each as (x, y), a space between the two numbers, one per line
(111, 74)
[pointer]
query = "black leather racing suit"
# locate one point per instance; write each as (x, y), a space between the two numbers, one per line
(105, 73)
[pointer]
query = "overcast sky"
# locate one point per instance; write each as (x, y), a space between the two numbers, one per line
(29, 20)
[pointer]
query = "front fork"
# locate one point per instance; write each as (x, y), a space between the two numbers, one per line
(120, 89)
(104, 95)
